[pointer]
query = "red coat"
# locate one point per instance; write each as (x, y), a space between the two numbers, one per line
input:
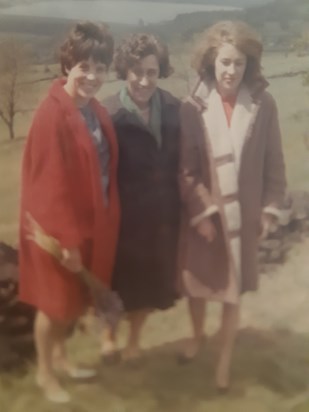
(61, 188)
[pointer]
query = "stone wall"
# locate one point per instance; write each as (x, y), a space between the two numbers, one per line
(293, 226)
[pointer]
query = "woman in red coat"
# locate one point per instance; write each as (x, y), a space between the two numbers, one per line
(69, 188)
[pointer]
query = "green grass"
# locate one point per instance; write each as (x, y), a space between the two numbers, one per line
(271, 363)
(270, 369)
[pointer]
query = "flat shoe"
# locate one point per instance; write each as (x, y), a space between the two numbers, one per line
(60, 396)
(111, 358)
(81, 373)
(183, 359)
(222, 390)
(134, 362)
(56, 396)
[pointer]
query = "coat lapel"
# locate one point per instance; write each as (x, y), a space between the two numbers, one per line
(243, 118)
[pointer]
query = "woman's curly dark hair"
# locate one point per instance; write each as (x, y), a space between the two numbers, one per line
(137, 46)
(237, 33)
(86, 40)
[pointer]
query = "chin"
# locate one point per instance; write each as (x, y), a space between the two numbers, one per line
(230, 90)
(140, 101)
(87, 95)
(143, 101)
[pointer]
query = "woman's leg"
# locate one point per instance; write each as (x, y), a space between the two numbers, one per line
(109, 350)
(109, 340)
(136, 320)
(46, 333)
(60, 357)
(62, 362)
(197, 310)
(228, 332)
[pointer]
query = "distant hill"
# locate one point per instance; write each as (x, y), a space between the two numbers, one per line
(279, 22)
(231, 3)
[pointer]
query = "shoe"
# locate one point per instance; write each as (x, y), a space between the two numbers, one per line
(111, 358)
(222, 390)
(191, 351)
(55, 395)
(132, 359)
(184, 359)
(60, 397)
(128, 355)
(81, 373)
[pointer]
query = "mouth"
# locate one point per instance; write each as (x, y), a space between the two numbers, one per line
(144, 91)
(230, 79)
(89, 88)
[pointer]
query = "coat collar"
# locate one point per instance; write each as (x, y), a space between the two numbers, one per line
(73, 117)
(122, 116)
(113, 103)
(245, 112)
(201, 90)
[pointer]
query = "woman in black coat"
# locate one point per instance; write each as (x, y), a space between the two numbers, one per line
(146, 119)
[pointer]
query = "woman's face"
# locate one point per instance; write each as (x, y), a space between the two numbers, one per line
(85, 79)
(230, 66)
(142, 80)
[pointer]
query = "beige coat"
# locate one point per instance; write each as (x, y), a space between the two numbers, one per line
(208, 269)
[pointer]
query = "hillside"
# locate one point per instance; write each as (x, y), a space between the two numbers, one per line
(229, 3)
(232, 3)
(279, 22)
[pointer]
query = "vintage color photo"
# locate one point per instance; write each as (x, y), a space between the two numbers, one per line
(154, 205)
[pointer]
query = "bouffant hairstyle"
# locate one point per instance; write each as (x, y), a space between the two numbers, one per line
(85, 40)
(237, 33)
(137, 46)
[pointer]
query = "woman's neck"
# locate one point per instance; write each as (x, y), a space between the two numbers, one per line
(227, 94)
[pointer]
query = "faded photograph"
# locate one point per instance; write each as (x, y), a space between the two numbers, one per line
(154, 214)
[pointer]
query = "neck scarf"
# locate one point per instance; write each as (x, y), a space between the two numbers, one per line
(154, 124)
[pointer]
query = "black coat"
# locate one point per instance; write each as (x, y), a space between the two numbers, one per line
(145, 269)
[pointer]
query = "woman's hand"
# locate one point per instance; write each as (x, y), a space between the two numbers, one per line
(72, 260)
(207, 229)
(75, 75)
(267, 221)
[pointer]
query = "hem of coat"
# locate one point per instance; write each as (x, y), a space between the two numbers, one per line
(167, 304)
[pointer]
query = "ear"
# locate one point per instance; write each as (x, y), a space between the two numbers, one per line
(2, 256)
(66, 71)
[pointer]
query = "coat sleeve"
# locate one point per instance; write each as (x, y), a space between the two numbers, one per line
(46, 180)
(194, 192)
(274, 167)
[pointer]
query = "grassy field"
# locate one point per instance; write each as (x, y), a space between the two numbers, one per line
(270, 372)
(271, 367)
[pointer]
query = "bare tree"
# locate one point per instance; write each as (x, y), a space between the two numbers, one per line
(14, 61)
(301, 44)
(180, 50)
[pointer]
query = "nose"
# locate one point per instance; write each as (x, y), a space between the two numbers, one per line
(90, 76)
(231, 69)
(144, 81)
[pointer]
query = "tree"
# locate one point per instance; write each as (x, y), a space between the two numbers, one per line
(180, 52)
(301, 44)
(14, 61)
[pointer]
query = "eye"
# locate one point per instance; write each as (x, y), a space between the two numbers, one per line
(101, 68)
(152, 73)
(138, 72)
(84, 67)
(226, 62)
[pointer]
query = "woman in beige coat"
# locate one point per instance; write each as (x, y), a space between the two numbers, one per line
(232, 180)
